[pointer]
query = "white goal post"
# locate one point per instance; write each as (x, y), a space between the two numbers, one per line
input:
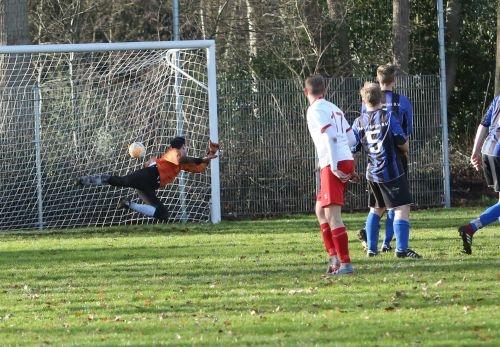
(68, 110)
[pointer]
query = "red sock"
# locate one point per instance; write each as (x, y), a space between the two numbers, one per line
(341, 243)
(326, 232)
(470, 230)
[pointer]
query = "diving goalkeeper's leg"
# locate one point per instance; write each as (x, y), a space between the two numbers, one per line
(144, 179)
(153, 206)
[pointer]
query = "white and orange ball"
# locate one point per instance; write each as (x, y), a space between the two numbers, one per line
(136, 150)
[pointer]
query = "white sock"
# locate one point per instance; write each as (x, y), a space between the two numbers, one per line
(147, 210)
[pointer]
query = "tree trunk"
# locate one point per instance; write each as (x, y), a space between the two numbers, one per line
(14, 22)
(202, 21)
(337, 13)
(14, 30)
(497, 73)
(252, 41)
(453, 19)
(401, 33)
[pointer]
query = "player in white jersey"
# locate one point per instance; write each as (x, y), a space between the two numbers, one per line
(485, 154)
(332, 137)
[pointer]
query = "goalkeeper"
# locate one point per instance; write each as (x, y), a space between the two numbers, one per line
(157, 173)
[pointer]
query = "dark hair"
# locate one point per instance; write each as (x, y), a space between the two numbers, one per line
(386, 73)
(316, 84)
(177, 142)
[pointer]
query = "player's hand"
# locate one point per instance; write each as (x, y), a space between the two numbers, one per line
(342, 176)
(209, 157)
(354, 177)
(476, 161)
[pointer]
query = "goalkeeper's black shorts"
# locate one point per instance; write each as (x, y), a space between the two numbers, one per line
(146, 179)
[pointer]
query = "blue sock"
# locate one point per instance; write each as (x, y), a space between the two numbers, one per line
(372, 228)
(389, 229)
(490, 215)
(402, 231)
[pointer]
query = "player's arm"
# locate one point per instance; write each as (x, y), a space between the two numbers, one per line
(403, 144)
(195, 165)
(357, 132)
(351, 138)
(408, 115)
(481, 133)
(197, 161)
(329, 136)
(150, 162)
(475, 157)
(399, 136)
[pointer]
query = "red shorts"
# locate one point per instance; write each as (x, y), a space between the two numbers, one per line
(331, 191)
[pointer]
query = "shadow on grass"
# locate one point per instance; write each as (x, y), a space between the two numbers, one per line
(295, 225)
(255, 261)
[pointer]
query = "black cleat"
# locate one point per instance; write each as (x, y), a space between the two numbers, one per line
(466, 239)
(84, 181)
(97, 180)
(408, 254)
(385, 248)
(362, 238)
(371, 254)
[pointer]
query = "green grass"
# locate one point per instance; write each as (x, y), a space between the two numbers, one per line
(247, 283)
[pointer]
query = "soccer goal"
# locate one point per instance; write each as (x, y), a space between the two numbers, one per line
(72, 110)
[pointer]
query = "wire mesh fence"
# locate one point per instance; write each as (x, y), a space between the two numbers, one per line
(268, 162)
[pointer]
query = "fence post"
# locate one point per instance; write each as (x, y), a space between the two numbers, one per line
(444, 110)
(38, 156)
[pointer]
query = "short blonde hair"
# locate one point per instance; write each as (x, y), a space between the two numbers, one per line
(371, 93)
(315, 84)
(386, 74)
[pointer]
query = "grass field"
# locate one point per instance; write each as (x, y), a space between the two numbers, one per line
(247, 283)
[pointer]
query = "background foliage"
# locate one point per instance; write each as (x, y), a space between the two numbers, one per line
(292, 38)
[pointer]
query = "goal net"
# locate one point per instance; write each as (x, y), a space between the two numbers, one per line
(72, 110)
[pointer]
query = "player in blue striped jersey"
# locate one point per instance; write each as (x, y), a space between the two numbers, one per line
(485, 154)
(380, 135)
(402, 110)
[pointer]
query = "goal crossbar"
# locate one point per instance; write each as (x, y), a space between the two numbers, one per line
(100, 47)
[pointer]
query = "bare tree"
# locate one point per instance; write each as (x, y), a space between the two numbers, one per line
(453, 19)
(337, 13)
(401, 33)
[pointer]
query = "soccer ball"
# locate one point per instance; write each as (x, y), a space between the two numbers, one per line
(137, 150)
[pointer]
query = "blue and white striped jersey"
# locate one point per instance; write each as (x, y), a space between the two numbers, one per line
(379, 133)
(491, 120)
(400, 108)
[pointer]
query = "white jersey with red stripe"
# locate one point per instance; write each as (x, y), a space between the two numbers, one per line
(321, 115)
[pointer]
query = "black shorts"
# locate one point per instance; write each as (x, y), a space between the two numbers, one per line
(491, 169)
(389, 194)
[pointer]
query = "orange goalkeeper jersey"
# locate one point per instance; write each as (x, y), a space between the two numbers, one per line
(169, 166)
